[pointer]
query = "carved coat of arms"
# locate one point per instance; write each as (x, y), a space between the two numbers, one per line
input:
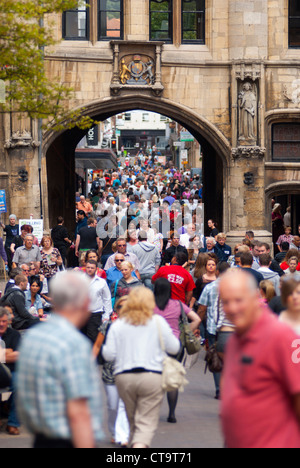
(137, 71)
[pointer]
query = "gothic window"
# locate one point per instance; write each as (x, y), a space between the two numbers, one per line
(294, 23)
(286, 142)
(161, 17)
(76, 23)
(110, 20)
(193, 21)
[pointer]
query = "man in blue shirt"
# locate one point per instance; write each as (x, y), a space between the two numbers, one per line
(114, 274)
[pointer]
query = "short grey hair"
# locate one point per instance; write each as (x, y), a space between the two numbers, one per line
(212, 239)
(69, 289)
(3, 312)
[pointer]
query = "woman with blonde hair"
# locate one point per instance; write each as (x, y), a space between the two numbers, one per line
(123, 286)
(133, 344)
(267, 290)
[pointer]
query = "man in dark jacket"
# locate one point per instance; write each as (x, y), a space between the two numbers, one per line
(15, 300)
(223, 250)
(175, 248)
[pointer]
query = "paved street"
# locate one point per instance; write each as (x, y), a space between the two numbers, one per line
(197, 416)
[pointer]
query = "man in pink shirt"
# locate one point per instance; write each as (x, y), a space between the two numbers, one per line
(261, 379)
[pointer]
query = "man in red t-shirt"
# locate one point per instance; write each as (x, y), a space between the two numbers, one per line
(260, 390)
(181, 281)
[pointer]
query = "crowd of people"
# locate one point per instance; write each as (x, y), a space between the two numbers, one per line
(109, 297)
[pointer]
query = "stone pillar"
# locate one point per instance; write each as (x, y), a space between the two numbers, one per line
(247, 195)
(248, 49)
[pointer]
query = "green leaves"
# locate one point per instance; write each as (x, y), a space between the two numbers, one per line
(23, 37)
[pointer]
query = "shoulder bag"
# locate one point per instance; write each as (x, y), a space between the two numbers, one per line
(189, 341)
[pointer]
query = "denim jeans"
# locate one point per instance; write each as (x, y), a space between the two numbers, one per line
(13, 420)
(217, 377)
(147, 281)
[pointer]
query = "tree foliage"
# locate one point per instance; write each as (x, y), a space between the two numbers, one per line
(24, 34)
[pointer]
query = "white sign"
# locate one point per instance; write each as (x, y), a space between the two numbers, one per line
(2, 91)
(37, 224)
(184, 154)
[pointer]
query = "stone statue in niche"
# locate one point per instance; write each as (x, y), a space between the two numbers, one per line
(247, 103)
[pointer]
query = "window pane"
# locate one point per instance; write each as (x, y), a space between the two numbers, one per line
(193, 21)
(75, 25)
(193, 5)
(294, 23)
(294, 32)
(294, 8)
(286, 142)
(160, 5)
(110, 5)
(75, 22)
(161, 20)
(110, 19)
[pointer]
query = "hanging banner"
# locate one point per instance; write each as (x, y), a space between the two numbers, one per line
(3, 206)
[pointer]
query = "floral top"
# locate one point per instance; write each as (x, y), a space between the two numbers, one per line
(48, 268)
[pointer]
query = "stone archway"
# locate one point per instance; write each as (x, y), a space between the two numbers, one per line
(59, 154)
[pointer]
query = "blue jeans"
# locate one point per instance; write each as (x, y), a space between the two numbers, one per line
(217, 377)
(13, 420)
(147, 281)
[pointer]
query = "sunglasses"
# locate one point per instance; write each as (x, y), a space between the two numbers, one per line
(117, 261)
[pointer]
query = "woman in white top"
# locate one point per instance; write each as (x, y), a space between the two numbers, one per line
(133, 344)
(290, 295)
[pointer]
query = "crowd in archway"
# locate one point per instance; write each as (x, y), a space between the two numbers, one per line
(144, 272)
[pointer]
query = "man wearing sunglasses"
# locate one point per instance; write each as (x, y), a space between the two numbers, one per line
(128, 256)
(114, 274)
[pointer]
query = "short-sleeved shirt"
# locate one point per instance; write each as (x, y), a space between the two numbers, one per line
(260, 378)
(208, 299)
(23, 255)
(11, 233)
(180, 279)
(88, 238)
(56, 366)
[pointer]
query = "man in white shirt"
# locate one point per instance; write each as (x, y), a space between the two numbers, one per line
(185, 238)
(100, 302)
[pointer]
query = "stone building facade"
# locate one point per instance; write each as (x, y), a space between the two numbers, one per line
(232, 79)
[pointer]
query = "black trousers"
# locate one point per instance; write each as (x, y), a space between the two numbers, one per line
(42, 442)
(91, 329)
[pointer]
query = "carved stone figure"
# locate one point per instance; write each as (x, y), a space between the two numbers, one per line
(125, 73)
(248, 113)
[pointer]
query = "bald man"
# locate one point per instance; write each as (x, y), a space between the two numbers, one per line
(260, 390)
